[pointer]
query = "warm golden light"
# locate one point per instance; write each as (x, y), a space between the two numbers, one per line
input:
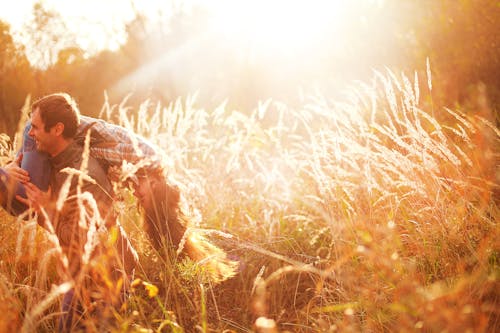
(275, 24)
(336, 160)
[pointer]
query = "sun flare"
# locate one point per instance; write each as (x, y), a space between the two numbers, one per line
(276, 26)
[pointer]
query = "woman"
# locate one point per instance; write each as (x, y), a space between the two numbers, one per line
(111, 145)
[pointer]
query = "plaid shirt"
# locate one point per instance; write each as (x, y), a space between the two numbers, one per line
(112, 145)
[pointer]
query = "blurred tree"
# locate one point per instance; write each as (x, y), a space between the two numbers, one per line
(101, 72)
(70, 69)
(66, 73)
(16, 80)
(462, 40)
(45, 36)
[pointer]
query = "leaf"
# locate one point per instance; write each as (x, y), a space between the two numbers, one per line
(151, 289)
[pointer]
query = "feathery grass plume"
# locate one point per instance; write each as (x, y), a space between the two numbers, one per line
(429, 74)
(25, 111)
(64, 192)
(416, 88)
(81, 175)
(51, 235)
(5, 148)
(93, 222)
(29, 226)
(31, 318)
(429, 84)
(42, 272)
(106, 108)
(489, 125)
(85, 158)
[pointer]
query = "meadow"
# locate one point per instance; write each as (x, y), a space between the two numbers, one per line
(377, 213)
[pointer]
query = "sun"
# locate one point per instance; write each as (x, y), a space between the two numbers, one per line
(271, 26)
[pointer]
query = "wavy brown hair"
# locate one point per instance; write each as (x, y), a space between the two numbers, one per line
(166, 228)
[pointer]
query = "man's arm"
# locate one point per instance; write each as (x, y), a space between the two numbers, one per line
(38, 199)
(65, 221)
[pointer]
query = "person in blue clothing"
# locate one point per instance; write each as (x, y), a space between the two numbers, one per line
(30, 165)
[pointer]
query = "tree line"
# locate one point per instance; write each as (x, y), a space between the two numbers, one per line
(161, 63)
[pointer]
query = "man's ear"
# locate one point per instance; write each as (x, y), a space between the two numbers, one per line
(59, 128)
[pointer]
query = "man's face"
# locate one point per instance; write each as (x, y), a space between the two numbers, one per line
(44, 140)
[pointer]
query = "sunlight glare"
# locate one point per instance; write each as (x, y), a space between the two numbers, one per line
(92, 25)
(275, 26)
(15, 12)
(95, 30)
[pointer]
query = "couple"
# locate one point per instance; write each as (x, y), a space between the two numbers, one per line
(40, 179)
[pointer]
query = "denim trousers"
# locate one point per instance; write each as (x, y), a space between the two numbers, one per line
(38, 166)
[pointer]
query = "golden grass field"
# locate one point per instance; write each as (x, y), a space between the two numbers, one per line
(375, 214)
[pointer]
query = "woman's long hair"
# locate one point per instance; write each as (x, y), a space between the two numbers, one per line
(165, 226)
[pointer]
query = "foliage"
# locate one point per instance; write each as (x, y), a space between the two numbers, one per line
(16, 80)
(461, 39)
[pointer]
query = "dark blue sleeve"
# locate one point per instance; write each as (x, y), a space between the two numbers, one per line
(36, 163)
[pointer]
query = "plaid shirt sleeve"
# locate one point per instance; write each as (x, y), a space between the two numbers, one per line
(115, 144)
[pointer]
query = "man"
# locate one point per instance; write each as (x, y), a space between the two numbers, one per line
(80, 222)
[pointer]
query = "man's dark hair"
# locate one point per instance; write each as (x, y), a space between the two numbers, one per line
(58, 108)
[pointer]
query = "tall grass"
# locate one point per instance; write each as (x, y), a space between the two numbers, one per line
(370, 214)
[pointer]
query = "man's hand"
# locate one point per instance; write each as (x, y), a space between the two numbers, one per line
(36, 198)
(15, 172)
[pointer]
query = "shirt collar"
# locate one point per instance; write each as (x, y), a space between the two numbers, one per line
(67, 157)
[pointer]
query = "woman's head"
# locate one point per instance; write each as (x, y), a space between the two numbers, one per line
(160, 202)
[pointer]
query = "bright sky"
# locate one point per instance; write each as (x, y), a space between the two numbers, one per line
(268, 26)
(96, 24)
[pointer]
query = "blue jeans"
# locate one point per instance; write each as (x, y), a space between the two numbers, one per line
(38, 166)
